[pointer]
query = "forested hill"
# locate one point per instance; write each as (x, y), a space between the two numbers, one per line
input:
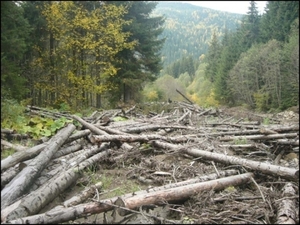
(189, 28)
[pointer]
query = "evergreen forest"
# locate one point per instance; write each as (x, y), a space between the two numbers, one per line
(82, 54)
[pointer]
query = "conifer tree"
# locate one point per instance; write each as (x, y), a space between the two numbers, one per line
(143, 63)
(14, 36)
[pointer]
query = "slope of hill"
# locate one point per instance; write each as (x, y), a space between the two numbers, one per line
(189, 28)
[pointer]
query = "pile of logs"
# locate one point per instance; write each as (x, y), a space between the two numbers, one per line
(34, 176)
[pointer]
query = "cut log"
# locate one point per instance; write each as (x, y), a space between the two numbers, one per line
(158, 197)
(286, 213)
(77, 135)
(185, 97)
(182, 193)
(35, 150)
(154, 127)
(284, 172)
(38, 199)
(137, 138)
(89, 126)
(22, 181)
(7, 144)
(260, 137)
(21, 156)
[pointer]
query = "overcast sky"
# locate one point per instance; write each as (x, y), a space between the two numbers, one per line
(230, 6)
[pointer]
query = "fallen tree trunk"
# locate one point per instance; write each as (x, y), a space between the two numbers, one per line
(159, 197)
(89, 125)
(260, 137)
(136, 138)
(7, 144)
(21, 156)
(154, 127)
(181, 193)
(284, 172)
(286, 213)
(22, 181)
(35, 150)
(38, 199)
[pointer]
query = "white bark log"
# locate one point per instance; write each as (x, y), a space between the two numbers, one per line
(285, 172)
(22, 181)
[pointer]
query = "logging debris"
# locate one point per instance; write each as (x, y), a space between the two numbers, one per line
(172, 163)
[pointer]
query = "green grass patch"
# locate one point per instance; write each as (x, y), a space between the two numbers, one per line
(119, 118)
(7, 152)
(240, 141)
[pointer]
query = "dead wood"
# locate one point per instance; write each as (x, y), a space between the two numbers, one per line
(89, 126)
(20, 156)
(47, 113)
(16, 147)
(158, 197)
(185, 97)
(80, 197)
(67, 150)
(110, 130)
(284, 172)
(7, 131)
(259, 137)
(151, 127)
(23, 180)
(183, 116)
(181, 193)
(288, 142)
(82, 149)
(35, 150)
(137, 138)
(38, 199)
(286, 213)
(78, 135)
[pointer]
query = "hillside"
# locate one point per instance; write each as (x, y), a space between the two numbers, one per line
(188, 28)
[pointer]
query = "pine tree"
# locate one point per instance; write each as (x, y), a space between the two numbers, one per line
(143, 63)
(14, 36)
(212, 58)
(276, 22)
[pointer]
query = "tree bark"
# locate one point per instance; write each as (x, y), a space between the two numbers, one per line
(21, 156)
(287, 208)
(18, 148)
(158, 197)
(137, 138)
(260, 137)
(89, 126)
(285, 172)
(38, 199)
(22, 181)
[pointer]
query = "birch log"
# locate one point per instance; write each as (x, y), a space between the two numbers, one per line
(38, 199)
(22, 181)
(286, 213)
(21, 156)
(89, 125)
(285, 172)
(136, 138)
(16, 147)
(34, 151)
(260, 137)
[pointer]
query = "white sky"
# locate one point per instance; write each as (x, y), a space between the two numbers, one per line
(230, 6)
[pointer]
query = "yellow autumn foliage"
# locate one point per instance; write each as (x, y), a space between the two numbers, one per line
(85, 45)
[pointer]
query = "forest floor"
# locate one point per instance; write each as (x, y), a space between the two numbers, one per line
(146, 166)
